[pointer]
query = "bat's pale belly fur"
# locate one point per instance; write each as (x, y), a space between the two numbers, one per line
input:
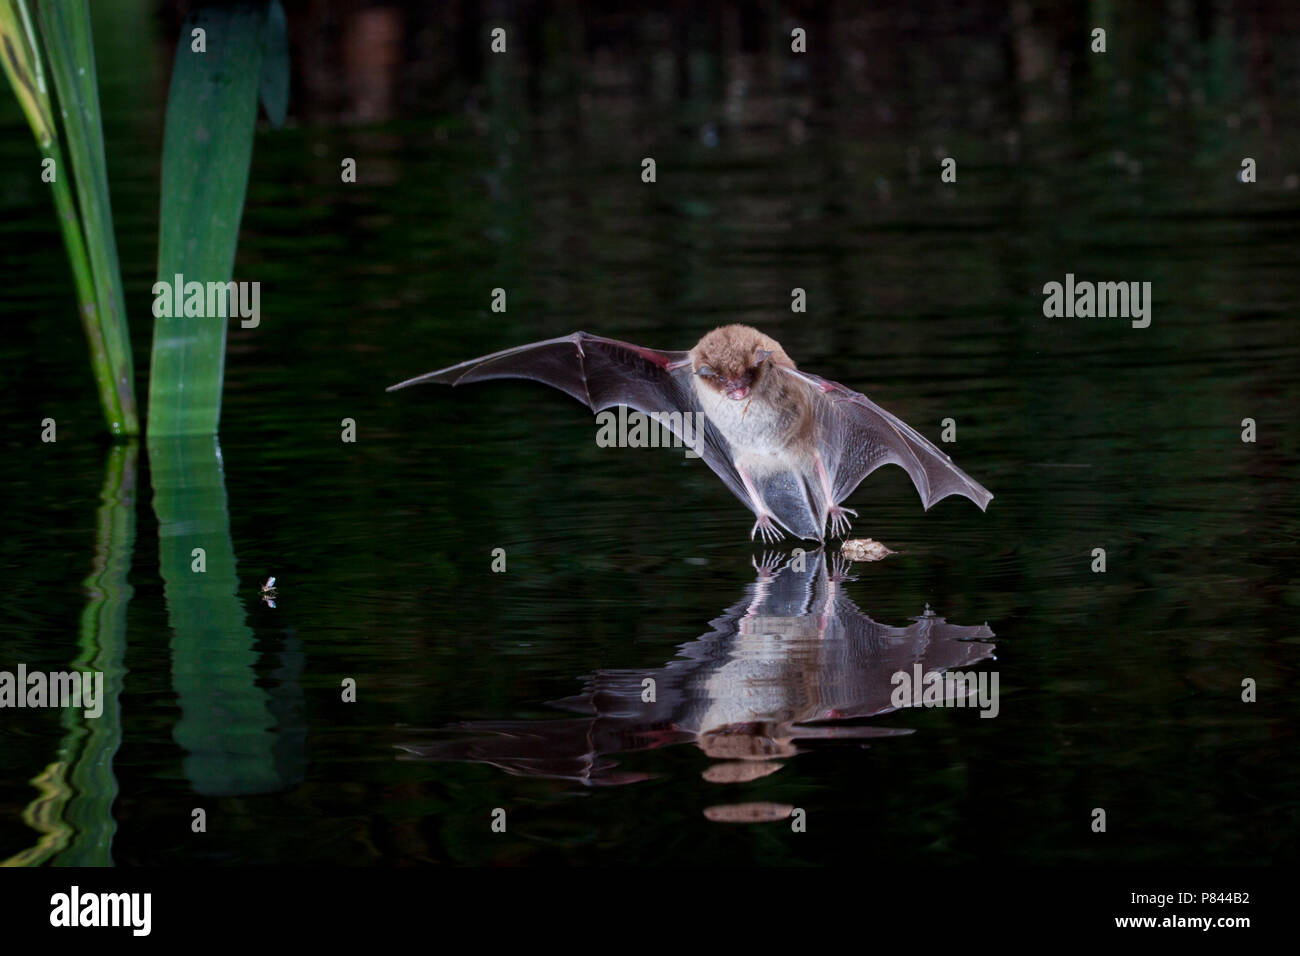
(764, 435)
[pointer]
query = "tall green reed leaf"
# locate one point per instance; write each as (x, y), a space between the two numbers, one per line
(65, 31)
(207, 148)
(273, 87)
(87, 232)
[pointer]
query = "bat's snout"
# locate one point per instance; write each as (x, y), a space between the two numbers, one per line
(738, 393)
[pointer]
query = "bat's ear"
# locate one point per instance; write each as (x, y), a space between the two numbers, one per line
(706, 371)
(761, 356)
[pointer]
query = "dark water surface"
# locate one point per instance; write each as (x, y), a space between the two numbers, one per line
(1119, 690)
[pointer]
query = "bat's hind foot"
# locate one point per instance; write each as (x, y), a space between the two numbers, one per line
(766, 529)
(839, 523)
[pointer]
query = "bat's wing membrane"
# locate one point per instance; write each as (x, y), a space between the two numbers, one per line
(856, 436)
(604, 373)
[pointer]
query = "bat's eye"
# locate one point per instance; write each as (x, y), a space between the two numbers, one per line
(706, 371)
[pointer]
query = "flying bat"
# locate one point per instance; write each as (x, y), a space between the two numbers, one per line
(789, 444)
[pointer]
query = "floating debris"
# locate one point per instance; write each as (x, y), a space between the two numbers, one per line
(864, 549)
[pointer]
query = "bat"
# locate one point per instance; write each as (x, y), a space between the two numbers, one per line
(789, 444)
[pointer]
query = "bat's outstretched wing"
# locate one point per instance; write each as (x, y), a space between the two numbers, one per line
(856, 436)
(598, 372)
(605, 373)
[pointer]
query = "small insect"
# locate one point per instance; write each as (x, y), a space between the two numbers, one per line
(268, 592)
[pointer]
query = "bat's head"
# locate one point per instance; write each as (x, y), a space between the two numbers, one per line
(733, 359)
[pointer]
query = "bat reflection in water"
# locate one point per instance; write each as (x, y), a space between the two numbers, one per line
(791, 445)
(786, 663)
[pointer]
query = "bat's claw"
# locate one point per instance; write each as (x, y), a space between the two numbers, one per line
(765, 529)
(839, 523)
(769, 564)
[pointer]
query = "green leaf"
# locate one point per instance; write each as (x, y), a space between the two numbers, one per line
(274, 88)
(66, 40)
(207, 148)
(22, 63)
